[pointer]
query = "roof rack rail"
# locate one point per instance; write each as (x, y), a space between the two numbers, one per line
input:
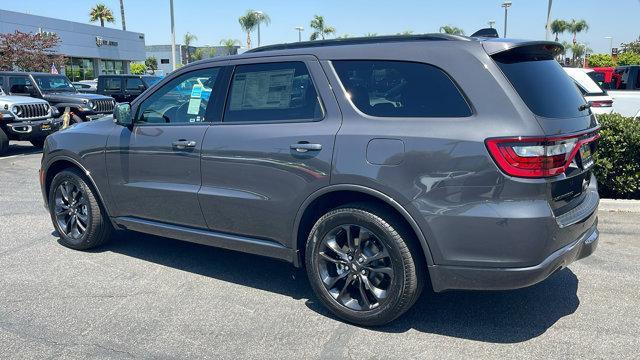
(360, 40)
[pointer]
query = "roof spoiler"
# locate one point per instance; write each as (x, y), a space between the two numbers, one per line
(545, 49)
(486, 33)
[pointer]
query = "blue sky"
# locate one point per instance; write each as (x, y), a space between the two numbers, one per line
(212, 20)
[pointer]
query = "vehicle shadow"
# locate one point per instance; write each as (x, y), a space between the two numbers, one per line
(488, 316)
(21, 148)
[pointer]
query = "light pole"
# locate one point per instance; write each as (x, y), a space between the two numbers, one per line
(610, 43)
(259, 13)
(492, 23)
(506, 6)
(173, 36)
(300, 30)
(548, 27)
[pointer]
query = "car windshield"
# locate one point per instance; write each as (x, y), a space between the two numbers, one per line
(54, 83)
(150, 80)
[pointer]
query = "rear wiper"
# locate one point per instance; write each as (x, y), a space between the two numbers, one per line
(584, 107)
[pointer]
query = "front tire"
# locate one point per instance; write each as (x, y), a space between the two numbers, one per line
(363, 264)
(76, 213)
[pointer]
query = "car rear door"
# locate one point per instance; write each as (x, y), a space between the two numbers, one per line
(133, 87)
(154, 165)
(273, 148)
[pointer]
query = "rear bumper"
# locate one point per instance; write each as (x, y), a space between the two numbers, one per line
(470, 278)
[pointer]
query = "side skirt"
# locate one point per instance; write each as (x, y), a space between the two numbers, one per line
(211, 238)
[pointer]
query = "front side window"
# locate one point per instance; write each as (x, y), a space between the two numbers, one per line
(272, 92)
(134, 83)
(181, 100)
(400, 89)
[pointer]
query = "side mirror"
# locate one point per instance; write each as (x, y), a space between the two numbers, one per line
(122, 114)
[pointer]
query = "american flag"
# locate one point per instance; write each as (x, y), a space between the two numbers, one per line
(53, 69)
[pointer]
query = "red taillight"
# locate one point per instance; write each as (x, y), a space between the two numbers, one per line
(537, 157)
(603, 103)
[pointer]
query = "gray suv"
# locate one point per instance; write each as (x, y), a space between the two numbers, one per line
(379, 165)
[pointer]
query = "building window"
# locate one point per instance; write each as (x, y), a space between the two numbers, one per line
(164, 61)
(111, 67)
(78, 69)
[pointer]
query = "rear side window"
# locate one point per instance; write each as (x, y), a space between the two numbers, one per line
(272, 92)
(134, 83)
(546, 89)
(112, 83)
(400, 89)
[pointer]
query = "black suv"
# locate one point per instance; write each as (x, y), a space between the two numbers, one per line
(125, 88)
(59, 92)
(378, 164)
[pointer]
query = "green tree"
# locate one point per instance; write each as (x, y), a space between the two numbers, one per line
(405, 33)
(138, 69)
(371, 34)
(212, 52)
(559, 26)
(250, 21)
(632, 46)
(198, 54)
(101, 13)
(321, 28)
(230, 45)
(629, 58)
(601, 60)
(578, 51)
(152, 64)
(577, 26)
(188, 40)
(451, 30)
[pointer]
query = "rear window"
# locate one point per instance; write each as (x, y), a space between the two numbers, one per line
(543, 85)
(400, 89)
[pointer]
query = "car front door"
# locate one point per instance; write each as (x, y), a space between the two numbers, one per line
(273, 148)
(154, 165)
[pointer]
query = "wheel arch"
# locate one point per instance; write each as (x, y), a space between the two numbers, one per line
(335, 195)
(61, 163)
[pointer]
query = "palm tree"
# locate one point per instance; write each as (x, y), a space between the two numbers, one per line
(577, 26)
(189, 38)
(198, 54)
(124, 25)
(577, 53)
(230, 45)
(250, 21)
(101, 13)
(559, 26)
(451, 30)
(321, 28)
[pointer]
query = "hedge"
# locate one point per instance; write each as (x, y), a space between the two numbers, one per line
(618, 157)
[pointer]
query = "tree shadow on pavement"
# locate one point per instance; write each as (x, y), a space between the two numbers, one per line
(488, 316)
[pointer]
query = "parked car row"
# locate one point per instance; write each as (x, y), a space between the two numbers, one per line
(31, 103)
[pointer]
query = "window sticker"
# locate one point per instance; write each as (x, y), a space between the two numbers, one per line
(262, 90)
(195, 100)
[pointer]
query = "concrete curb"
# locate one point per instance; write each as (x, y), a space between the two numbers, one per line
(619, 205)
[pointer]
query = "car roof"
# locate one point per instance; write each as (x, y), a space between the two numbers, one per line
(325, 49)
(580, 76)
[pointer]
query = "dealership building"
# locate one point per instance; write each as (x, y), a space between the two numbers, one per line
(89, 50)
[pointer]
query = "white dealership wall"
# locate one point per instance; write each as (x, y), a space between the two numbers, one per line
(80, 40)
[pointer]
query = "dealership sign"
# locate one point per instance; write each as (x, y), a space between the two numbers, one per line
(104, 42)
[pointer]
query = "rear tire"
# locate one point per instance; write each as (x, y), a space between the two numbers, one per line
(4, 142)
(375, 279)
(76, 212)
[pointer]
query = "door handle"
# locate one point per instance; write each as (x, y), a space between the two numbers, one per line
(183, 144)
(304, 147)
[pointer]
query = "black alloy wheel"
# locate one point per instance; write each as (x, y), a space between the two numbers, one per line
(71, 210)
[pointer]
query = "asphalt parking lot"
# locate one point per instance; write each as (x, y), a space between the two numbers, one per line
(150, 297)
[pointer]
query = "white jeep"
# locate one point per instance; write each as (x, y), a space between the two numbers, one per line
(25, 118)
